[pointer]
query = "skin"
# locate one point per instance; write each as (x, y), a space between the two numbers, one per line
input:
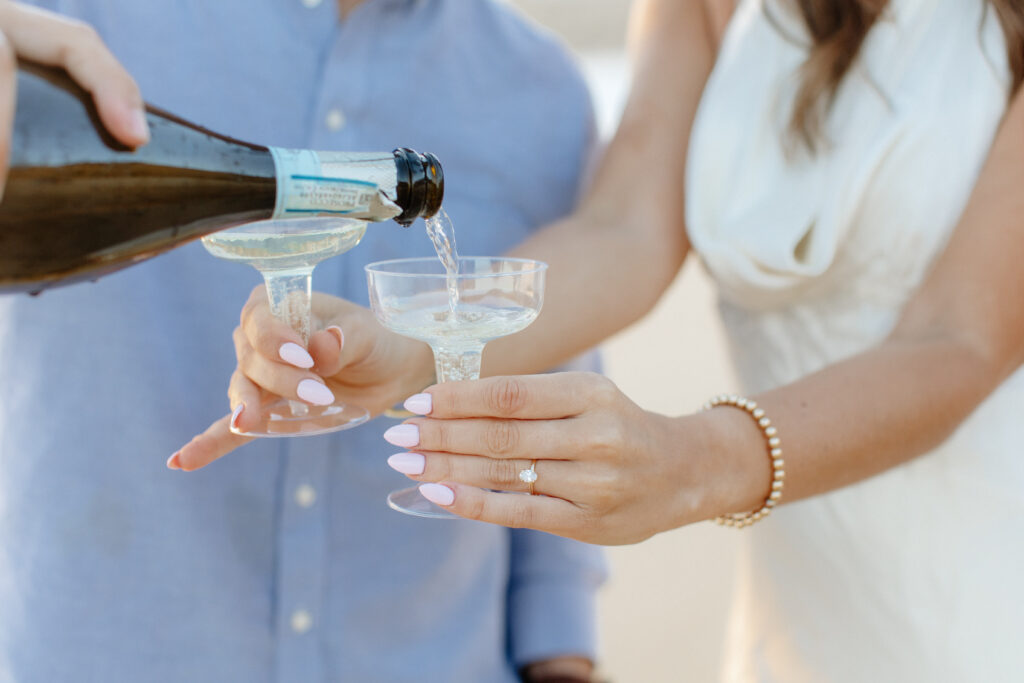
(613, 473)
(47, 38)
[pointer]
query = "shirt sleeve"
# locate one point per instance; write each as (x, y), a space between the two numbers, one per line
(552, 593)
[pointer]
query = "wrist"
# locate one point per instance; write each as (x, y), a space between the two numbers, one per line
(721, 465)
(744, 469)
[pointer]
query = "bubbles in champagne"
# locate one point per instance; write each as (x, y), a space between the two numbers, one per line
(281, 245)
(475, 324)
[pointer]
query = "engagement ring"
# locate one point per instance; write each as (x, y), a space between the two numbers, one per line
(529, 476)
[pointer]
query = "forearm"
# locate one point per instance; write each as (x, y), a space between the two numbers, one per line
(601, 278)
(849, 421)
(612, 259)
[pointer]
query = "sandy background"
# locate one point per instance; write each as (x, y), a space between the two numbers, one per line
(663, 610)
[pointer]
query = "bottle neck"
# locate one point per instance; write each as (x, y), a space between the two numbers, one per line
(361, 185)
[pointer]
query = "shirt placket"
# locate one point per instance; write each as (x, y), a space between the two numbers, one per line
(304, 526)
(302, 560)
(342, 83)
(337, 108)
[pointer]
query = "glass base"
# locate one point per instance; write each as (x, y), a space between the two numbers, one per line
(411, 502)
(277, 419)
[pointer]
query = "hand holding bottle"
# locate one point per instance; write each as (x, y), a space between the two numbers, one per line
(48, 38)
(351, 358)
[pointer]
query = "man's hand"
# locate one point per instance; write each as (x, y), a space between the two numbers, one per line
(48, 38)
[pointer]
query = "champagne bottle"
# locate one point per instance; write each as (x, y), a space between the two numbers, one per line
(78, 204)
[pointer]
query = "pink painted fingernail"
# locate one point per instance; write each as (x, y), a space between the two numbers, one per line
(235, 414)
(336, 331)
(174, 462)
(314, 392)
(403, 436)
(407, 463)
(439, 494)
(421, 404)
(295, 355)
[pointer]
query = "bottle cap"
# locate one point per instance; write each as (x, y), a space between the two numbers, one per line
(420, 188)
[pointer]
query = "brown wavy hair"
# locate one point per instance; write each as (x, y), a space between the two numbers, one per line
(838, 28)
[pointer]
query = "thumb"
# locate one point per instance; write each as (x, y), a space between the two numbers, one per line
(342, 348)
(348, 341)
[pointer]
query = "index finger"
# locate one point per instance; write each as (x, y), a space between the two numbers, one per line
(524, 397)
(217, 441)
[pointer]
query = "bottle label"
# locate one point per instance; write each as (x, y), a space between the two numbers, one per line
(351, 184)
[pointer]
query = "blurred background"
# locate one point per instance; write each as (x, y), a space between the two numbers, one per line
(663, 612)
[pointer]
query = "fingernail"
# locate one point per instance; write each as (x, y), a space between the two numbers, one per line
(334, 329)
(407, 463)
(314, 392)
(421, 404)
(439, 494)
(139, 126)
(403, 436)
(235, 414)
(296, 355)
(174, 462)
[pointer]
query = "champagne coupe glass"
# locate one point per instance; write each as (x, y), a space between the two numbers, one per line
(456, 313)
(285, 252)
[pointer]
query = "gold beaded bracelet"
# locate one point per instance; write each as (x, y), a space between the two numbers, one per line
(741, 520)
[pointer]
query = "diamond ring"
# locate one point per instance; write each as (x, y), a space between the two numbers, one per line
(529, 476)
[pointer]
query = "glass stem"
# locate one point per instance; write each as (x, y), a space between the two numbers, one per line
(290, 292)
(457, 364)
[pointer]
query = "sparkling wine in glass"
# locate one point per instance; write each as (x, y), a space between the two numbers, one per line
(285, 252)
(415, 298)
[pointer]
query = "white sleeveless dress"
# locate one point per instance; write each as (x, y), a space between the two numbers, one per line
(916, 574)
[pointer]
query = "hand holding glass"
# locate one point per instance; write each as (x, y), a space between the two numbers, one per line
(417, 298)
(285, 252)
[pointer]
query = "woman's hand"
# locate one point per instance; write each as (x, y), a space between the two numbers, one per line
(51, 39)
(607, 471)
(352, 358)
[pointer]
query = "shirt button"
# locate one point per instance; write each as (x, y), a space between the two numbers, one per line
(302, 621)
(335, 120)
(312, 4)
(305, 496)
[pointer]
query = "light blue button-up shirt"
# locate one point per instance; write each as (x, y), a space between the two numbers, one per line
(280, 562)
